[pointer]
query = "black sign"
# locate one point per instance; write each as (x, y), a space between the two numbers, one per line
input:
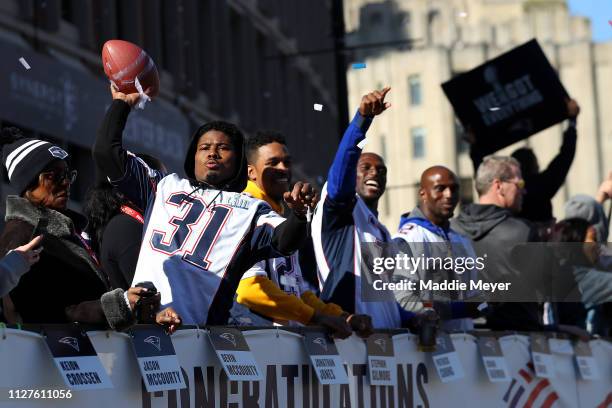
(69, 341)
(234, 354)
(319, 343)
(157, 361)
(380, 344)
(76, 359)
(324, 358)
(381, 361)
(225, 338)
(151, 341)
(508, 98)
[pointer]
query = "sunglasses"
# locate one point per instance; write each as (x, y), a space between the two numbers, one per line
(520, 183)
(59, 176)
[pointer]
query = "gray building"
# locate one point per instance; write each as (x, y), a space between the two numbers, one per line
(249, 62)
(449, 37)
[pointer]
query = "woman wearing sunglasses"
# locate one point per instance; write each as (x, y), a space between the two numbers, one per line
(67, 283)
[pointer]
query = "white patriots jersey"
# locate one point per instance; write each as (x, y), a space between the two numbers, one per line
(417, 237)
(286, 273)
(337, 234)
(197, 243)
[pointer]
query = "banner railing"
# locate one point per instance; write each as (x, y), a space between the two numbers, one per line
(29, 376)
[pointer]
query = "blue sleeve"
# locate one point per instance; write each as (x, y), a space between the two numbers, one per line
(458, 310)
(406, 317)
(262, 243)
(139, 181)
(402, 246)
(342, 174)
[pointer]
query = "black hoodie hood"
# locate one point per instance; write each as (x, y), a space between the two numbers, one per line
(239, 181)
(476, 220)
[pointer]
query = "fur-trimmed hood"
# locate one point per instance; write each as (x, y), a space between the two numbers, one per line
(64, 226)
(54, 222)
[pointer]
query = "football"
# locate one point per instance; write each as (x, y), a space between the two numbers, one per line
(124, 62)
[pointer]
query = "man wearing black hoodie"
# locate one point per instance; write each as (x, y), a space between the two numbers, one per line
(201, 234)
(497, 232)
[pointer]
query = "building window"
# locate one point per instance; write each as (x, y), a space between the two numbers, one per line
(375, 18)
(466, 195)
(383, 147)
(418, 142)
(403, 22)
(414, 90)
(433, 24)
(462, 145)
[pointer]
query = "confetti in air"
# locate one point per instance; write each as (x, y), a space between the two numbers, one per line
(494, 109)
(318, 107)
(359, 65)
(462, 14)
(24, 63)
(362, 144)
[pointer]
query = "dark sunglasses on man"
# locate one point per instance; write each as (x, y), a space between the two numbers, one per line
(58, 176)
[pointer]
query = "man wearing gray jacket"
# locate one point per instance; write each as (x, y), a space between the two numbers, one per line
(497, 232)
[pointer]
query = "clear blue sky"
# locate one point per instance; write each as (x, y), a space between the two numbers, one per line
(599, 11)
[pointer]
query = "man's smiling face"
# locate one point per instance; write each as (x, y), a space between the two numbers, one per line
(271, 169)
(371, 177)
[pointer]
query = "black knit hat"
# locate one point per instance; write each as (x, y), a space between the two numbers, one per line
(25, 158)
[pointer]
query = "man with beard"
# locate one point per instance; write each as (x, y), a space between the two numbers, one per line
(201, 233)
(425, 233)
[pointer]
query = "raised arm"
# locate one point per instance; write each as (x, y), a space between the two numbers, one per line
(108, 152)
(557, 170)
(343, 172)
(125, 171)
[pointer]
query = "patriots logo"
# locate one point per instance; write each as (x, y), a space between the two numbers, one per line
(490, 344)
(58, 152)
(406, 228)
(228, 337)
(382, 343)
(70, 341)
(321, 342)
(154, 341)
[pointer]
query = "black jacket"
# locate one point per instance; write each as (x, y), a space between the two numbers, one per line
(120, 248)
(65, 284)
(497, 233)
(542, 187)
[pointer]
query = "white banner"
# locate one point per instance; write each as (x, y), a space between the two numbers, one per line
(289, 381)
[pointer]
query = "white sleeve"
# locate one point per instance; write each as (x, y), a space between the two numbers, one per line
(259, 269)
